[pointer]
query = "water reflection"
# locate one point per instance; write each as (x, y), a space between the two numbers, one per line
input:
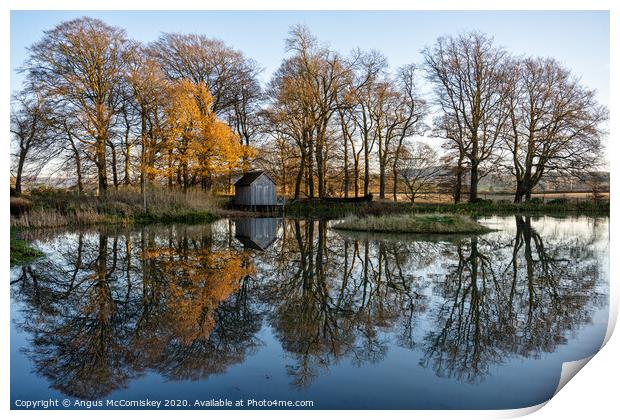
(495, 307)
(110, 306)
(256, 233)
(338, 298)
(188, 302)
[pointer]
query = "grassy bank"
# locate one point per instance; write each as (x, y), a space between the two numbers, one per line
(46, 208)
(21, 252)
(413, 223)
(317, 209)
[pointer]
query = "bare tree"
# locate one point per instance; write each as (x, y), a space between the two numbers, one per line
(81, 62)
(409, 118)
(74, 150)
(356, 124)
(370, 69)
(226, 72)
(287, 117)
(467, 73)
(248, 97)
(554, 124)
(30, 130)
(278, 155)
(420, 169)
(324, 75)
(448, 128)
(304, 95)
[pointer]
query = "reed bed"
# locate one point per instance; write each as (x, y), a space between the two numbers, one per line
(55, 208)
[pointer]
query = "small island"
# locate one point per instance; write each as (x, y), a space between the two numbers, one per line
(414, 223)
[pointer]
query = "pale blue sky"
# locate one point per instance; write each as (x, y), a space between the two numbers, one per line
(579, 39)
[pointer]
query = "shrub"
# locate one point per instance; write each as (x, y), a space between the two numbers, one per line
(479, 200)
(558, 201)
(20, 205)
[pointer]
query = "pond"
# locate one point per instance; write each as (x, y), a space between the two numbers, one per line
(291, 310)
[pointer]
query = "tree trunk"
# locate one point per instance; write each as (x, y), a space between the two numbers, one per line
(309, 174)
(78, 169)
(381, 168)
(185, 175)
(458, 183)
(519, 192)
(528, 185)
(525, 185)
(78, 163)
(356, 176)
(114, 170)
(284, 180)
(325, 190)
(299, 177)
(20, 170)
(395, 168)
(102, 174)
(319, 167)
(366, 168)
(382, 181)
(346, 169)
(395, 183)
(143, 180)
(473, 182)
(126, 178)
(143, 158)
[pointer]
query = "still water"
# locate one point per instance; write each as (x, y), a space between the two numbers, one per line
(293, 310)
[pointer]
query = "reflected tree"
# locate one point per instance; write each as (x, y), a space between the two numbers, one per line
(187, 302)
(163, 301)
(504, 297)
(342, 300)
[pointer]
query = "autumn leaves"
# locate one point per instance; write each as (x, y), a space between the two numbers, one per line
(161, 113)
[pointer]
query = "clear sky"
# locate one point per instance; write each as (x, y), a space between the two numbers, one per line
(579, 39)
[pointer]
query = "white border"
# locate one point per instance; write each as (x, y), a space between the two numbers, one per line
(592, 394)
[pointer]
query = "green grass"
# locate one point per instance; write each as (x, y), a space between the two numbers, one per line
(413, 223)
(22, 253)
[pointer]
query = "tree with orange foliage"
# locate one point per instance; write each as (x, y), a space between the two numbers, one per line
(198, 145)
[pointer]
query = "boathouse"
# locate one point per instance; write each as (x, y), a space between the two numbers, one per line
(255, 190)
